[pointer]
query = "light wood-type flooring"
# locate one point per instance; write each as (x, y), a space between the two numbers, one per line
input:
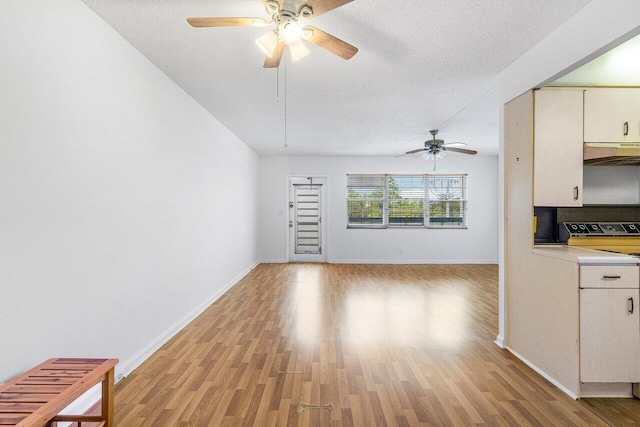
(383, 345)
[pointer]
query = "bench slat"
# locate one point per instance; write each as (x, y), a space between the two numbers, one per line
(16, 407)
(38, 388)
(20, 397)
(11, 419)
(79, 360)
(70, 367)
(47, 380)
(59, 373)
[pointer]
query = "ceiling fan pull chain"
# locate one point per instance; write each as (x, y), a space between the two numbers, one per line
(277, 77)
(285, 104)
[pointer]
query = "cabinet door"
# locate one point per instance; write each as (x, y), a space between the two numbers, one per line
(558, 134)
(609, 335)
(612, 115)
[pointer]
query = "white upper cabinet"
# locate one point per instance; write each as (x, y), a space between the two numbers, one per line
(558, 140)
(612, 115)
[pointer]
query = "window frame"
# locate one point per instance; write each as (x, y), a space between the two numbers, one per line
(426, 200)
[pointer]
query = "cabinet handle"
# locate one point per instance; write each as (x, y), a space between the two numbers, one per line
(630, 300)
(575, 193)
(611, 277)
(626, 128)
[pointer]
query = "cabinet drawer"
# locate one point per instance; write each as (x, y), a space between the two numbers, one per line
(610, 276)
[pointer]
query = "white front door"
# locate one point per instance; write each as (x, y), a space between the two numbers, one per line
(307, 230)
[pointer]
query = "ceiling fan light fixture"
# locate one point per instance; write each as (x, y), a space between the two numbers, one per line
(268, 43)
(260, 23)
(272, 6)
(431, 155)
(305, 12)
(298, 51)
(291, 33)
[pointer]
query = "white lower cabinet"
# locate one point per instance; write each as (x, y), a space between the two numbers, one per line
(609, 335)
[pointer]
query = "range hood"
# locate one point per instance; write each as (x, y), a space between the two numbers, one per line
(611, 153)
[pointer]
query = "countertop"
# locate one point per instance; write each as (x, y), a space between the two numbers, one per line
(584, 256)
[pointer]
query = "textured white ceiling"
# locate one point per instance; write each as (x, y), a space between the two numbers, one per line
(419, 64)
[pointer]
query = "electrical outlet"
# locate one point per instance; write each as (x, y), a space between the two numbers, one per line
(401, 251)
(119, 377)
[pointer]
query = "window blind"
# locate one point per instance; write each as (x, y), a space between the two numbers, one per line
(405, 204)
(447, 201)
(365, 200)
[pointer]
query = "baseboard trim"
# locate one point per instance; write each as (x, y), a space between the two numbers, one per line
(606, 390)
(544, 374)
(391, 262)
(420, 261)
(91, 397)
(500, 342)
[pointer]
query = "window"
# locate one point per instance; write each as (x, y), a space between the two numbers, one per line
(365, 199)
(447, 201)
(405, 202)
(387, 201)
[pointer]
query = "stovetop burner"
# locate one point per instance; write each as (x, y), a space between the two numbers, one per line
(582, 229)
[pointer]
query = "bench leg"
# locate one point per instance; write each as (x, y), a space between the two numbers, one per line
(107, 398)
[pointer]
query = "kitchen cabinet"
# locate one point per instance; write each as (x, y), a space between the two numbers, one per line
(558, 140)
(609, 324)
(612, 115)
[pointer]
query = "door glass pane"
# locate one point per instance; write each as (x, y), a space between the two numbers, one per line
(307, 219)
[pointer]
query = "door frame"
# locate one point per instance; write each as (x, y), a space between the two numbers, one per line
(324, 214)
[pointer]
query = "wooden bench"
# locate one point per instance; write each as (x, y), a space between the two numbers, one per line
(36, 397)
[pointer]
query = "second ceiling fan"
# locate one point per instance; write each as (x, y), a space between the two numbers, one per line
(288, 29)
(435, 149)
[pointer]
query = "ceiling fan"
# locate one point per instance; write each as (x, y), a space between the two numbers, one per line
(288, 29)
(436, 149)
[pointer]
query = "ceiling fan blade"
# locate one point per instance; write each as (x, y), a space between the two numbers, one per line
(415, 151)
(274, 60)
(330, 43)
(323, 6)
(452, 144)
(460, 150)
(226, 22)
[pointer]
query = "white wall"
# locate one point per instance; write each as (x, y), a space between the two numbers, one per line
(477, 244)
(125, 207)
(597, 28)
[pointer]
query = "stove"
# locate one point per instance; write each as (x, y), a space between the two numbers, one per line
(620, 237)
